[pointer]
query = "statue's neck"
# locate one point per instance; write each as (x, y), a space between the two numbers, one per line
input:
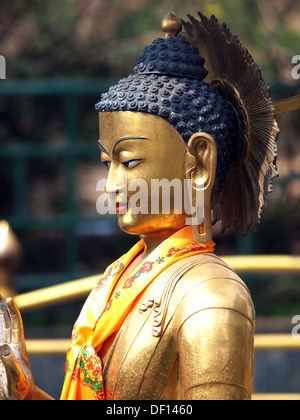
(152, 242)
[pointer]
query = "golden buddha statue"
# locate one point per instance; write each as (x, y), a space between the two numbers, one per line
(170, 320)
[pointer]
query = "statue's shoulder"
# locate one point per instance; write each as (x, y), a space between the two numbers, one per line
(210, 283)
(195, 284)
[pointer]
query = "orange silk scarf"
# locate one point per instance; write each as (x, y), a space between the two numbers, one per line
(103, 314)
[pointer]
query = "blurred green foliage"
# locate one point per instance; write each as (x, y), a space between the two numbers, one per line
(101, 38)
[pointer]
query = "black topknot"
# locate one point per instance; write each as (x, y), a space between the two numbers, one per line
(173, 57)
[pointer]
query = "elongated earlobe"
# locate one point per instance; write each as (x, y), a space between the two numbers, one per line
(202, 148)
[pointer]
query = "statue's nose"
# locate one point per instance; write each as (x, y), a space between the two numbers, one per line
(116, 178)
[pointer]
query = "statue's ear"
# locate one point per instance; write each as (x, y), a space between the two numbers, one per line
(202, 148)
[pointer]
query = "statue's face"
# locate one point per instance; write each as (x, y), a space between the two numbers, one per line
(140, 150)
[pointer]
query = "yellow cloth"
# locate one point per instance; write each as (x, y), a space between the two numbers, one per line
(103, 314)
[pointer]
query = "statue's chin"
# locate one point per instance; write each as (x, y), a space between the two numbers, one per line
(150, 225)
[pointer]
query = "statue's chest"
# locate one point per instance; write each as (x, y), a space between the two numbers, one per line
(135, 359)
(142, 357)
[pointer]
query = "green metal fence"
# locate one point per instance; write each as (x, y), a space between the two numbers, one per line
(71, 150)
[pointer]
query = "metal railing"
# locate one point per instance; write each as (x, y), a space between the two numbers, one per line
(80, 288)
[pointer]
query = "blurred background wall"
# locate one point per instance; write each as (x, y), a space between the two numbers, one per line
(60, 56)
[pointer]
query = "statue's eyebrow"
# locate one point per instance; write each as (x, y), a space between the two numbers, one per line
(119, 141)
(103, 147)
(129, 138)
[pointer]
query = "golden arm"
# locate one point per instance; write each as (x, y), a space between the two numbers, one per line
(215, 345)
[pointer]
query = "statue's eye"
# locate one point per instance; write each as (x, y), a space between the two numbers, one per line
(107, 163)
(131, 163)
